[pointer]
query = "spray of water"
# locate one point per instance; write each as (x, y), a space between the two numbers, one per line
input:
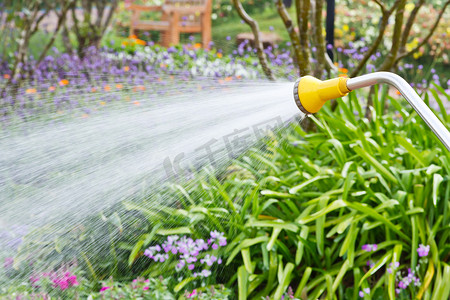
(58, 173)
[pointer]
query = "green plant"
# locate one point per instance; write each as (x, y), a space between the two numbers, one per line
(66, 282)
(304, 212)
(153, 288)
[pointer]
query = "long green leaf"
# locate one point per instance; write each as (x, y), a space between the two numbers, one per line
(379, 167)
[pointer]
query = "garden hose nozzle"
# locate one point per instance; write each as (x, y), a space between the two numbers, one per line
(310, 95)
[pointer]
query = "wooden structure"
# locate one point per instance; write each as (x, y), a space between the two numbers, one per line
(266, 38)
(178, 16)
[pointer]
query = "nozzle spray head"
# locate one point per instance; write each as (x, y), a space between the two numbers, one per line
(310, 93)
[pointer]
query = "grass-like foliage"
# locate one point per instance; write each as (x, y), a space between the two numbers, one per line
(343, 212)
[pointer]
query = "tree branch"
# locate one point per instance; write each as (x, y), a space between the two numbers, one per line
(76, 25)
(375, 45)
(409, 24)
(386, 14)
(429, 35)
(392, 55)
(109, 17)
(381, 5)
(61, 20)
(256, 33)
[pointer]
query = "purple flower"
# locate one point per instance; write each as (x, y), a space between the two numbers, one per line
(180, 265)
(402, 284)
(206, 273)
(423, 250)
(393, 266)
(209, 260)
(364, 291)
(217, 237)
(150, 252)
(369, 247)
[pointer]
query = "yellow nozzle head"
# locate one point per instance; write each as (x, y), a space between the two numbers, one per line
(310, 93)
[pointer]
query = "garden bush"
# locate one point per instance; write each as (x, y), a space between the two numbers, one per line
(356, 209)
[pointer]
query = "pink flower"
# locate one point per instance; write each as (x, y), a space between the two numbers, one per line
(145, 288)
(72, 280)
(104, 288)
(8, 263)
(194, 292)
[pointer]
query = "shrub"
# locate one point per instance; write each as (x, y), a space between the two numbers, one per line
(356, 209)
(155, 289)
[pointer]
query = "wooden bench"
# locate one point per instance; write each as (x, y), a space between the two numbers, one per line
(178, 16)
(266, 38)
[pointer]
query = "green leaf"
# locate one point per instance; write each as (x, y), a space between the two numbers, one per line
(279, 224)
(391, 277)
(372, 213)
(285, 280)
(299, 187)
(242, 283)
(174, 231)
(340, 152)
(437, 180)
(305, 276)
(273, 238)
(340, 275)
(381, 262)
(145, 239)
(245, 244)
(270, 193)
(300, 245)
(247, 260)
(333, 206)
(373, 162)
(181, 285)
(134, 253)
(411, 150)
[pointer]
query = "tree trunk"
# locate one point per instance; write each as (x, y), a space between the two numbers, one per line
(319, 40)
(389, 62)
(303, 65)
